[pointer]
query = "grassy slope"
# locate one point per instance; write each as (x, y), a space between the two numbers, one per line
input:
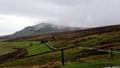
(70, 54)
(96, 40)
(36, 48)
(94, 64)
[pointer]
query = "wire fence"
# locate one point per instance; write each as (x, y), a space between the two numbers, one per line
(73, 54)
(77, 54)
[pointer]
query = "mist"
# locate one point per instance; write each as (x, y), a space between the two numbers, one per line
(17, 14)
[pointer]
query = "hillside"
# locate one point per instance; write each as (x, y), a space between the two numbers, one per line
(88, 45)
(70, 34)
(40, 29)
(43, 28)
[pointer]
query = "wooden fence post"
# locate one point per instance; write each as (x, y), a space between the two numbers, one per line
(111, 53)
(62, 52)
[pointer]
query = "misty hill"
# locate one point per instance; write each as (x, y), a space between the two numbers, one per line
(42, 28)
(71, 34)
(72, 43)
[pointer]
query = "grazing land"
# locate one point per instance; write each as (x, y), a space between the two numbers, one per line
(34, 47)
(81, 48)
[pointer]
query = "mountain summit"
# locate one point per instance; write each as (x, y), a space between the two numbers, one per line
(42, 28)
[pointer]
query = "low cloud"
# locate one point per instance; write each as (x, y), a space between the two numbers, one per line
(18, 14)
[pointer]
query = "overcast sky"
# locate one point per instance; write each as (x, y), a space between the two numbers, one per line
(17, 14)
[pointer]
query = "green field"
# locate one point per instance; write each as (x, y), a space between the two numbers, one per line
(35, 48)
(91, 59)
(70, 54)
(94, 64)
